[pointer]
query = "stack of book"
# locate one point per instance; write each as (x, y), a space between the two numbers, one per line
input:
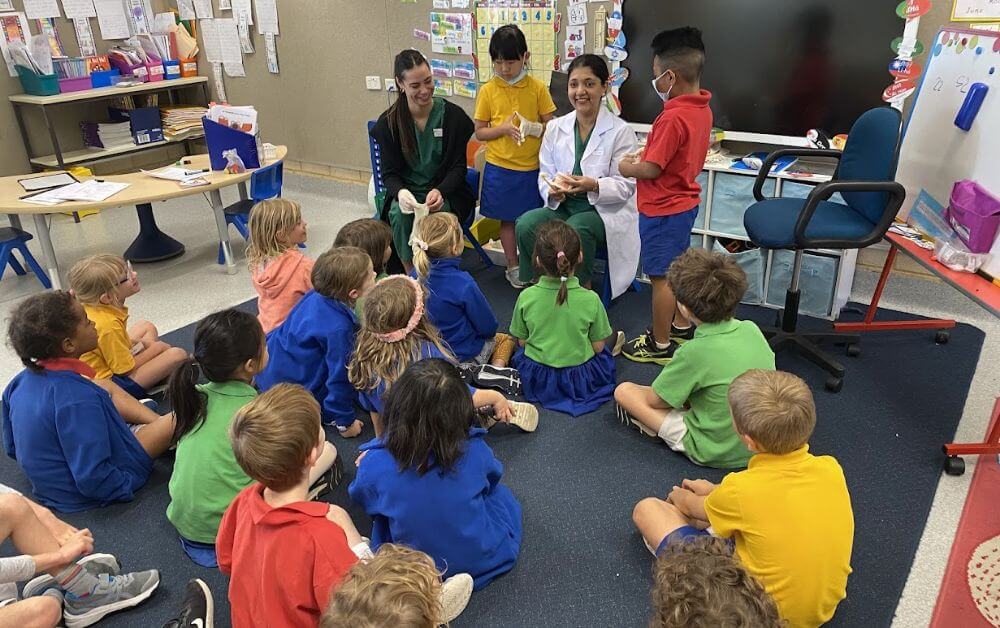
(106, 134)
(180, 121)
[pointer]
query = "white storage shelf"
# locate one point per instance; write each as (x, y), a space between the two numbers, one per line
(827, 275)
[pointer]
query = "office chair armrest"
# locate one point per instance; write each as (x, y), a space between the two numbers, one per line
(824, 191)
(765, 169)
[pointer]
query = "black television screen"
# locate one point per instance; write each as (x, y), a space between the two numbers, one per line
(773, 66)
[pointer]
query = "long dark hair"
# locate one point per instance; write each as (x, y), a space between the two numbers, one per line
(223, 342)
(557, 250)
(400, 118)
(596, 64)
(40, 324)
(427, 416)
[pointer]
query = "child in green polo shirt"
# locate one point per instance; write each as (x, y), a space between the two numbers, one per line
(229, 350)
(686, 405)
(562, 328)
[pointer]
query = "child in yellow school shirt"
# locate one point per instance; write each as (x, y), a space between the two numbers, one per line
(510, 116)
(788, 515)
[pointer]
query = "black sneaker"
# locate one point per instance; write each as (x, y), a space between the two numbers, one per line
(644, 349)
(682, 335)
(199, 608)
(467, 371)
(628, 420)
(328, 481)
(504, 379)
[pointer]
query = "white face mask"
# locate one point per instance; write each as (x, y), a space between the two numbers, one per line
(523, 73)
(664, 96)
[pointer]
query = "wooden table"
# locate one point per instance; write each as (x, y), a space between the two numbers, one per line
(141, 192)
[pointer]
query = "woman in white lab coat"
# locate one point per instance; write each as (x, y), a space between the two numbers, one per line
(580, 181)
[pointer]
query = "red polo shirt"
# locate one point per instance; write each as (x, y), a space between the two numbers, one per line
(677, 143)
(283, 562)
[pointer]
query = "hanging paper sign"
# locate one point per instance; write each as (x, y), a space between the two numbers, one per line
(84, 37)
(619, 76)
(899, 90)
(905, 68)
(616, 51)
(899, 48)
(272, 53)
(613, 104)
(909, 9)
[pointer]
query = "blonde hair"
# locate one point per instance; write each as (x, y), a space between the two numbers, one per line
(340, 270)
(388, 308)
(273, 435)
(774, 408)
(268, 219)
(399, 587)
(439, 236)
(94, 276)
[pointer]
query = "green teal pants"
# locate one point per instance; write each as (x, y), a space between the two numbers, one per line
(588, 226)
(402, 225)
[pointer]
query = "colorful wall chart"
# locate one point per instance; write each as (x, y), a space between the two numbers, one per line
(536, 18)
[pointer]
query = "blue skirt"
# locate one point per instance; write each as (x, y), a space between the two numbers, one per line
(508, 193)
(574, 390)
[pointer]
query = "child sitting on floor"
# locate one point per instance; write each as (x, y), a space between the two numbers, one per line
(284, 555)
(314, 344)
(133, 357)
(63, 429)
(374, 237)
(395, 333)
(686, 405)
(229, 350)
(789, 514)
(458, 308)
(700, 584)
(432, 483)
(281, 273)
(562, 328)
(397, 587)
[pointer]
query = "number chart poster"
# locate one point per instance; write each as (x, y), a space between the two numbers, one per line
(536, 18)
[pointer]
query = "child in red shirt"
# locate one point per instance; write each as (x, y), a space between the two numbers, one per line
(284, 555)
(668, 195)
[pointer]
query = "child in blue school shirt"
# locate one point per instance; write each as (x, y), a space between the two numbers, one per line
(458, 308)
(63, 429)
(433, 484)
(313, 345)
(395, 333)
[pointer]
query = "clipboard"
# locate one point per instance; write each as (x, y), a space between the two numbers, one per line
(46, 182)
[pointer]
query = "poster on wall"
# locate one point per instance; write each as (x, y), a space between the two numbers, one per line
(15, 28)
(85, 37)
(75, 9)
(535, 18)
(975, 10)
(451, 33)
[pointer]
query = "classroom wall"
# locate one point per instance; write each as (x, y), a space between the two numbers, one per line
(318, 104)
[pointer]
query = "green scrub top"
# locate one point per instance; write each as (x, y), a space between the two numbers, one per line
(576, 203)
(424, 165)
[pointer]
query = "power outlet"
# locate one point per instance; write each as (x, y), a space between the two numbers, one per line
(390, 85)
(373, 83)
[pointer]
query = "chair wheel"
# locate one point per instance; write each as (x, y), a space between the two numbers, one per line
(953, 465)
(853, 350)
(941, 338)
(834, 384)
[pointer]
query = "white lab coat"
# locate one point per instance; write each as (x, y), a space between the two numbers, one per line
(615, 200)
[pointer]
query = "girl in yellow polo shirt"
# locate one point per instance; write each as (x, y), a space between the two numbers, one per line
(562, 328)
(510, 116)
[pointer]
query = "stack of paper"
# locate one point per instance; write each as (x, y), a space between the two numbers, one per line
(107, 134)
(92, 191)
(239, 118)
(181, 120)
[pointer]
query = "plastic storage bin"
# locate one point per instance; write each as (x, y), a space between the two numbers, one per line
(155, 72)
(189, 67)
(38, 84)
(137, 72)
(103, 78)
(75, 84)
(731, 195)
(752, 263)
(171, 69)
(698, 241)
(702, 179)
(817, 282)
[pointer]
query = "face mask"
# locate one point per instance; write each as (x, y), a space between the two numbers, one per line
(664, 96)
(523, 73)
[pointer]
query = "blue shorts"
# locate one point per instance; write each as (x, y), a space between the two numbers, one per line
(682, 534)
(202, 554)
(663, 238)
(130, 386)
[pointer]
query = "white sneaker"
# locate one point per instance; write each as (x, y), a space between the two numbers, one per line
(455, 594)
(513, 277)
(525, 416)
(616, 348)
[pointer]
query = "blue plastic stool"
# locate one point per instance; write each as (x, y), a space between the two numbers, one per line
(265, 183)
(602, 255)
(12, 239)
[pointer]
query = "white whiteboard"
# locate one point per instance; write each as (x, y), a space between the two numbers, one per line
(975, 10)
(935, 153)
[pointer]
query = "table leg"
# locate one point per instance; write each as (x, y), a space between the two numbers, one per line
(220, 222)
(15, 221)
(242, 188)
(51, 263)
(151, 245)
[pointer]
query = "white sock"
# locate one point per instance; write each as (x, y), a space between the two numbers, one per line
(661, 345)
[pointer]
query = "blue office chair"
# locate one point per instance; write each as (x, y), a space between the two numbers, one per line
(471, 179)
(265, 183)
(864, 178)
(11, 240)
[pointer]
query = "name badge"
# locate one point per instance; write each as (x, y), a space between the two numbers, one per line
(438, 132)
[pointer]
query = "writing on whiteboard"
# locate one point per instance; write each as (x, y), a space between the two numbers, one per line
(973, 10)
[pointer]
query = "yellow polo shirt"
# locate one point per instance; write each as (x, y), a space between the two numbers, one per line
(113, 355)
(497, 101)
(791, 518)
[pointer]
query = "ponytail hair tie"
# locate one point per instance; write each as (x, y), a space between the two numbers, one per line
(563, 278)
(418, 311)
(560, 255)
(420, 244)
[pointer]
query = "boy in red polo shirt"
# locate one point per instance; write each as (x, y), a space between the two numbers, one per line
(284, 555)
(667, 192)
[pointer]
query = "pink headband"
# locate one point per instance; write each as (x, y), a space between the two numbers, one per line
(418, 311)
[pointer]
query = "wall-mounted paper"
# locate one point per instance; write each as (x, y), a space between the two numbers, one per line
(272, 53)
(225, 5)
(210, 38)
(6, 5)
(79, 8)
(229, 41)
(465, 70)
(466, 89)
(577, 14)
(220, 84)
(451, 33)
(13, 27)
(37, 9)
(243, 28)
(441, 68)
(85, 37)
(203, 9)
(112, 19)
(267, 16)
(442, 87)
(137, 13)
(234, 68)
(243, 5)
(186, 9)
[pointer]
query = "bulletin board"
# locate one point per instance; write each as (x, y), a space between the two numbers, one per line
(538, 19)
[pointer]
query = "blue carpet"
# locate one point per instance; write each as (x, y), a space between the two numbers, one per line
(581, 562)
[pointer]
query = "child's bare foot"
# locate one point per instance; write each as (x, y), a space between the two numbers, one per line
(353, 430)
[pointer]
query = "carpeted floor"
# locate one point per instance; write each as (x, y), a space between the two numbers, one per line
(581, 562)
